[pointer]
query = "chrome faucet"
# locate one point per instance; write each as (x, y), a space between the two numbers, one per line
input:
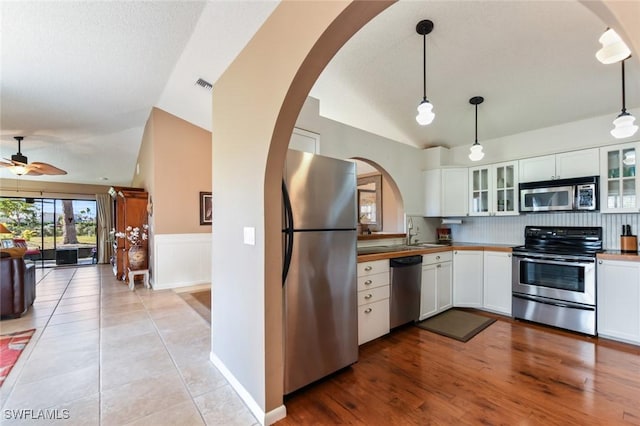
(409, 229)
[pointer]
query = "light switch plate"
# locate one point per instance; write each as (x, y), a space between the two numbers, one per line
(250, 236)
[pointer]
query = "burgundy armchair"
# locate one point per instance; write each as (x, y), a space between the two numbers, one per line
(17, 286)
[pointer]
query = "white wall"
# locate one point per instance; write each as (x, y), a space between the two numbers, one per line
(401, 161)
(589, 133)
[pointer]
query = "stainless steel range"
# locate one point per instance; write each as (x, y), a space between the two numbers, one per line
(554, 277)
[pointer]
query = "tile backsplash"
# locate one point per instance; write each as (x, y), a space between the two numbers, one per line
(510, 229)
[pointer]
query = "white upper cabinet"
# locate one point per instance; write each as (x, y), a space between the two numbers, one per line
(619, 182)
(537, 168)
(446, 192)
(493, 189)
(560, 166)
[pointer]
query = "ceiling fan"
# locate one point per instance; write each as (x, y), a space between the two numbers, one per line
(19, 164)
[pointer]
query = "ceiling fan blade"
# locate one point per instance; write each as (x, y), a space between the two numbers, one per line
(44, 169)
(32, 172)
(5, 163)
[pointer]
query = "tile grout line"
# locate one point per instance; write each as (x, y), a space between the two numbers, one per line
(173, 361)
(35, 341)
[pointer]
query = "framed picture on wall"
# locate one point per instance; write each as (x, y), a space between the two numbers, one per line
(206, 208)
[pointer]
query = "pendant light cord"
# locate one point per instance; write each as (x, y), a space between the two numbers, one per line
(624, 109)
(424, 67)
(476, 141)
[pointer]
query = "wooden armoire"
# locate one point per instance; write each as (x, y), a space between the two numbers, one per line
(129, 209)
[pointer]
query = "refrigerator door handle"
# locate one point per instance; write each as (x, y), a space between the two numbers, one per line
(288, 232)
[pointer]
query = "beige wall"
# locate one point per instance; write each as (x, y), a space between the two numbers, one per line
(253, 117)
(175, 166)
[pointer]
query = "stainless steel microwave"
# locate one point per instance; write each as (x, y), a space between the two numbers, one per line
(560, 195)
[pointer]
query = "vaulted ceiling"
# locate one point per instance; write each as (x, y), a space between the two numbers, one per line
(79, 78)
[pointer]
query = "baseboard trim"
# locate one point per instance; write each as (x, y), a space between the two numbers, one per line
(262, 417)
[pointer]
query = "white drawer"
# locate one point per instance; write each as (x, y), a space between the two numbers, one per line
(373, 281)
(443, 256)
(373, 295)
(373, 320)
(375, 267)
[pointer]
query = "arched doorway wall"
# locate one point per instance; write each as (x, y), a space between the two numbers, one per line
(255, 105)
(392, 203)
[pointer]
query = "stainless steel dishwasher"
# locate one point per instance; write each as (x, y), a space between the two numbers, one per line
(406, 276)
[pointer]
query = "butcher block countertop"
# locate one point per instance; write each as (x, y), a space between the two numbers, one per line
(415, 250)
(616, 255)
(380, 236)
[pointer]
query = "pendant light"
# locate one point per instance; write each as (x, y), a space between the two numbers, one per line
(624, 126)
(613, 49)
(476, 153)
(425, 109)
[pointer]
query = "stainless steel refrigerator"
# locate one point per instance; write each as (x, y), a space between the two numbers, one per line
(319, 271)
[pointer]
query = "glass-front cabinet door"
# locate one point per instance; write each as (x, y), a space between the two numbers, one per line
(619, 183)
(479, 190)
(505, 180)
(494, 189)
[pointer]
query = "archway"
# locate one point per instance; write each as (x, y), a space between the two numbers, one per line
(255, 105)
(391, 206)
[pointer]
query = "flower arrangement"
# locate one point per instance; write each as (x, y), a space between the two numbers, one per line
(135, 235)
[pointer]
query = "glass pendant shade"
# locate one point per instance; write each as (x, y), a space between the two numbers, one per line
(425, 113)
(613, 48)
(476, 152)
(624, 126)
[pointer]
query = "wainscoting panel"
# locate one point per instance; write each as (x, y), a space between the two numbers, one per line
(181, 260)
(510, 230)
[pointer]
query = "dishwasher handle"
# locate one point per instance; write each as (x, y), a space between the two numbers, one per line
(401, 262)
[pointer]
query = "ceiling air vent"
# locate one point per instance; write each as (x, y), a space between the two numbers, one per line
(204, 83)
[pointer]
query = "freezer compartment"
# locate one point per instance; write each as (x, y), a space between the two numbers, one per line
(322, 191)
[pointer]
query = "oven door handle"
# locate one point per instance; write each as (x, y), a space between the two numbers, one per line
(556, 261)
(554, 302)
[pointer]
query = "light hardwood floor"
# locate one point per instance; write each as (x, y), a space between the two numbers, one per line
(512, 373)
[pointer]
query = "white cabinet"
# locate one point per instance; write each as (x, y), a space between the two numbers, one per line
(437, 279)
(619, 180)
(446, 192)
(560, 166)
(619, 300)
(373, 300)
(468, 278)
(493, 189)
(497, 282)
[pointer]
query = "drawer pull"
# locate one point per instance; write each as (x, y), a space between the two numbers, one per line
(368, 296)
(368, 282)
(368, 310)
(438, 265)
(368, 268)
(437, 257)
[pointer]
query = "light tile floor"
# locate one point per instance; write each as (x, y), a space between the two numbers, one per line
(104, 355)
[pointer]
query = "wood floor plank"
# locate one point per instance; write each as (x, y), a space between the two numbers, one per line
(511, 373)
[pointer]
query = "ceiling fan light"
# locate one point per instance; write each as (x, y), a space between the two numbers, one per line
(613, 49)
(425, 113)
(18, 170)
(624, 126)
(476, 152)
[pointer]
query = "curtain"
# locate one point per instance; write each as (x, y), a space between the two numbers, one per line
(105, 221)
